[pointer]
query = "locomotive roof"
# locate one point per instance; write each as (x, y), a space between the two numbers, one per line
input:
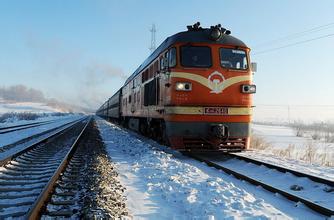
(190, 36)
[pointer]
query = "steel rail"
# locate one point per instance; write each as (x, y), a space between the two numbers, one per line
(34, 212)
(284, 169)
(31, 146)
(312, 205)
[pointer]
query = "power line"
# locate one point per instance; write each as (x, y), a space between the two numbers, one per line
(293, 44)
(298, 34)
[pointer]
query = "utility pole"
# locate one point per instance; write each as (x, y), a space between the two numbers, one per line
(153, 30)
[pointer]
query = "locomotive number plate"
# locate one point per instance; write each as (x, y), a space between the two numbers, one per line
(215, 111)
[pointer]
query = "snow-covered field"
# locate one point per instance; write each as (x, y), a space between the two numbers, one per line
(12, 137)
(43, 113)
(43, 117)
(163, 184)
(282, 142)
(291, 113)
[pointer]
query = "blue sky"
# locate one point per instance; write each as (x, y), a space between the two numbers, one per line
(80, 51)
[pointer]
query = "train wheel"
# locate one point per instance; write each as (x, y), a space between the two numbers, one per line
(164, 137)
(125, 123)
(143, 128)
(154, 130)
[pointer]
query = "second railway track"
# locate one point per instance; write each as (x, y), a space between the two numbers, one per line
(4, 130)
(26, 179)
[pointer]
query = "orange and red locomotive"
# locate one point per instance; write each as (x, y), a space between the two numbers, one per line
(193, 92)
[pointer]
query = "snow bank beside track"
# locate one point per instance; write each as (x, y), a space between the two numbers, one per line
(170, 186)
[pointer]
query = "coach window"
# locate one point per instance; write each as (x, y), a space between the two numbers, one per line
(172, 57)
(193, 56)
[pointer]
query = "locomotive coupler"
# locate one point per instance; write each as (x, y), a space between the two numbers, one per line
(220, 131)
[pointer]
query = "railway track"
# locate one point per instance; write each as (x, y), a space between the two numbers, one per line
(62, 203)
(310, 190)
(26, 179)
(88, 188)
(7, 152)
(282, 169)
(4, 130)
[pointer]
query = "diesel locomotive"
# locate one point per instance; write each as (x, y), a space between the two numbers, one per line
(194, 92)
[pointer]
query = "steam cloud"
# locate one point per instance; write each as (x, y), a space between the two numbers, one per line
(93, 78)
(21, 93)
(85, 77)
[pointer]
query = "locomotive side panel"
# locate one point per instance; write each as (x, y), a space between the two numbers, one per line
(142, 95)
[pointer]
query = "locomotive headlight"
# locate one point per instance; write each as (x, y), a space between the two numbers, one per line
(248, 89)
(183, 86)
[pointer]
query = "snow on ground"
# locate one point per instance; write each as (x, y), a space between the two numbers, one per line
(45, 112)
(163, 184)
(12, 137)
(282, 142)
(311, 190)
(313, 169)
(26, 107)
(43, 118)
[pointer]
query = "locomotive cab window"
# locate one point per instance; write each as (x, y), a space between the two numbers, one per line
(172, 57)
(233, 59)
(193, 56)
(166, 59)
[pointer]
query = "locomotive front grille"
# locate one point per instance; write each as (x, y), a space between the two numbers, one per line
(229, 145)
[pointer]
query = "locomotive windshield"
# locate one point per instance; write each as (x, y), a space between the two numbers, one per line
(196, 56)
(233, 59)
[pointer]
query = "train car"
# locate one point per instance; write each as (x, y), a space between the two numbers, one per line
(111, 110)
(194, 92)
(114, 110)
(102, 111)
